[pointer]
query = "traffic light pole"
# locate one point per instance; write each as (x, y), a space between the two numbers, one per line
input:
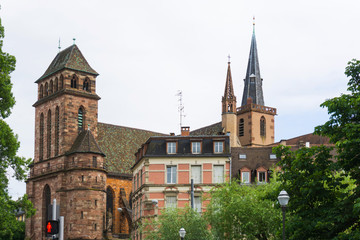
(54, 215)
(61, 228)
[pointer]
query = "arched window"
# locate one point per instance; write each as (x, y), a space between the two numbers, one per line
(46, 89)
(49, 134)
(262, 127)
(57, 131)
(241, 127)
(41, 143)
(74, 82)
(81, 119)
(109, 204)
(56, 84)
(86, 85)
(41, 94)
(61, 82)
(51, 89)
(46, 213)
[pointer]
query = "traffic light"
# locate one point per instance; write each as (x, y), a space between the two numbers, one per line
(52, 227)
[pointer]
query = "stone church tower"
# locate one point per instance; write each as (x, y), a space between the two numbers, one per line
(68, 163)
(254, 123)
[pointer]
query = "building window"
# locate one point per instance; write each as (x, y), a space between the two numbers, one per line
(241, 127)
(171, 174)
(171, 147)
(94, 161)
(49, 134)
(272, 156)
(41, 95)
(46, 89)
(245, 177)
(135, 181)
(196, 174)
(140, 207)
(141, 177)
(74, 82)
(81, 119)
(137, 176)
(86, 85)
(195, 147)
(262, 126)
(56, 84)
(41, 143)
(261, 177)
(219, 147)
(197, 204)
(218, 174)
(57, 131)
(171, 202)
(51, 89)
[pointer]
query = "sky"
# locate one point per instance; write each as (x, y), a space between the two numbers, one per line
(146, 51)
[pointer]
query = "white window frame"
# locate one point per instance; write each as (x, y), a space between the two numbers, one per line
(243, 178)
(195, 147)
(171, 147)
(196, 169)
(218, 147)
(197, 204)
(172, 170)
(218, 179)
(171, 204)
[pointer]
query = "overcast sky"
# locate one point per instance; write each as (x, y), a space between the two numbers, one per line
(145, 51)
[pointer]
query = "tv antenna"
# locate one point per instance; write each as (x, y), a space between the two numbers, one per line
(181, 106)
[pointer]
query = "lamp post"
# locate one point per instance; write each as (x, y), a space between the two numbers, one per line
(283, 200)
(182, 233)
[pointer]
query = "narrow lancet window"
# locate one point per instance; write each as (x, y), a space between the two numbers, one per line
(241, 127)
(41, 143)
(41, 94)
(262, 127)
(57, 131)
(56, 84)
(86, 85)
(46, 89)
(49, 134)
(81, 119)
(74, 82)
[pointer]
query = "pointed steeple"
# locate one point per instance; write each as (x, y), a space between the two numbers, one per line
(253, 80)
(229, 99)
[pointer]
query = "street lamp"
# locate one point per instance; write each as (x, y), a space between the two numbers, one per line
(283, 200)
(182, 233)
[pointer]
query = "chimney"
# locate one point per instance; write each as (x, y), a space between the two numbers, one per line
(185, 131)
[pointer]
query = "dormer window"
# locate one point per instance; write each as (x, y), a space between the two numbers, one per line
(195, 147)
(171, 147)
(218, 147)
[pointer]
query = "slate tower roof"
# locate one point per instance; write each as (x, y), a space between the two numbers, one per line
(70, 58)
(229, 91)
(253, 80)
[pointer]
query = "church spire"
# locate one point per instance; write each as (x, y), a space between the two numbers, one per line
(229, 99)
(253, 80)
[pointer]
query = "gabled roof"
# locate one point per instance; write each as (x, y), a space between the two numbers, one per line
(85, 143)
(253, 81)
(120, 145)
(311, 138)
(69, 58)
(214, 129)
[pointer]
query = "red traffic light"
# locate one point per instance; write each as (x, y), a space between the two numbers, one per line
(52, 227)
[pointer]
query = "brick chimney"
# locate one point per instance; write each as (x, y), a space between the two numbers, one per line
(185, 131)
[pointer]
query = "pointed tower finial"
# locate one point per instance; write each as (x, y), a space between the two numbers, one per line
(253, 24)
(229, 58)
(59, 45)
(74, 41)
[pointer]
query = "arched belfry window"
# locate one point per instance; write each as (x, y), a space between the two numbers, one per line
(57, 131)
(81, 119)
(49, 134)
(41, 93)
(46, 201)
(46, 89)
(241, 127)
(74, 82)
(86, 85)
(262, 127)
(51, 89)
(61, 82)
(56, 84)
(41, 138)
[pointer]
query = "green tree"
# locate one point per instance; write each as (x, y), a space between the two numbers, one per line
(239, 211)
(168, 224)
(9, 145)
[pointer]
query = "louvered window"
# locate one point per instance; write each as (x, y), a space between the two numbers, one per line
(81, 119)
(241, 127)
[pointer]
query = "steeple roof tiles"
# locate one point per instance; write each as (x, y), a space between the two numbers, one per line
(85, 143)
(69, 58)
(253, 80)
(229, 90)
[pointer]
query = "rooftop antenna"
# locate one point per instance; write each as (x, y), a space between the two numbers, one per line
(74, 41)
(59, 45)
(181, 107)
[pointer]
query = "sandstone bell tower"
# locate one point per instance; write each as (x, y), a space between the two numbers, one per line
(68, 164)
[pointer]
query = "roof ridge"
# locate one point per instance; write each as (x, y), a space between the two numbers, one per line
(131, 128)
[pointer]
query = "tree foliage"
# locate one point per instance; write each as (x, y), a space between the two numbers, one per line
(168, 224)
(240, 211)
(9, 145)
